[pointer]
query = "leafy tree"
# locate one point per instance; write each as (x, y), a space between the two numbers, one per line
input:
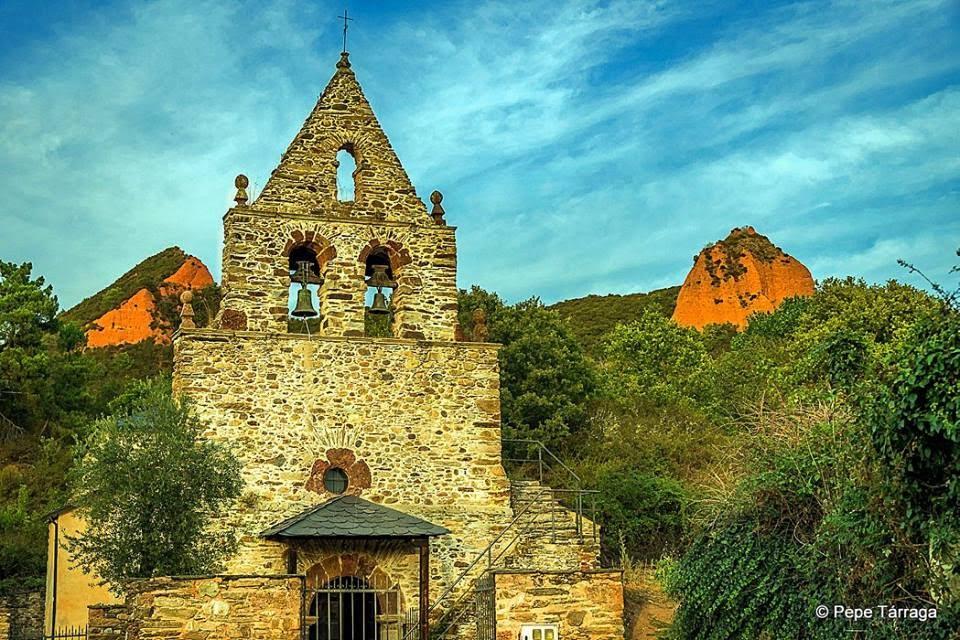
(643, 509)
(148, 485)
(476, 298)
(546, 379)
(44, 402)
(915, 430)
(651, 357)
(816, 517)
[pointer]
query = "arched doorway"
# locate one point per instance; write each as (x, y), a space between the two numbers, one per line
(344, 608)
(360, 604)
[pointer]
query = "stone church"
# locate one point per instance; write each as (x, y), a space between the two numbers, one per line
(376, 503)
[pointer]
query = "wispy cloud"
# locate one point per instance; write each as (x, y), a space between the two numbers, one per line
(581, 147)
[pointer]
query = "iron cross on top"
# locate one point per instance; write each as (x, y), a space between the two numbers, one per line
(345, 19)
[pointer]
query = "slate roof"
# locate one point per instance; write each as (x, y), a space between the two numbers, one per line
(353, 517)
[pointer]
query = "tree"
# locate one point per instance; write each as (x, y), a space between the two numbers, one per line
(817, 517)
(149, 485)
(915, 429)
(546, 380)
(28, 309)
(652, 357)
(44, 402)
(643, 510)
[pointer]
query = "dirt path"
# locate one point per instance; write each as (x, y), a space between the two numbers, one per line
(649, 610)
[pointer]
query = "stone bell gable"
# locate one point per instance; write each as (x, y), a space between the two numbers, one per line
(305, 180)
(298, 216)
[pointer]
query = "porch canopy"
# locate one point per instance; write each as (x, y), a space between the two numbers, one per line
(353, 518)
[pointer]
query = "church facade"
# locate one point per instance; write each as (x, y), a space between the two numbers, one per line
(376, 504)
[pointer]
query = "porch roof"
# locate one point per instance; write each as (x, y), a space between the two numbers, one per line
(353, 517)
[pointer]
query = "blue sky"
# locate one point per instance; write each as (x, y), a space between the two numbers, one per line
(582, 147)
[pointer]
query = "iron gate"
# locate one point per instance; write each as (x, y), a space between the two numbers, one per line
(485, 607)
(351, 608)
(63, 633)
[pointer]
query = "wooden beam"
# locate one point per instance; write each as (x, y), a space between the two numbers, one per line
(424, 589)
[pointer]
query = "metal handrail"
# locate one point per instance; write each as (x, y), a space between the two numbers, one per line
(541, 449)
(454, 607)
(486, 553)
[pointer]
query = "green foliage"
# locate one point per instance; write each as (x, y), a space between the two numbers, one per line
(377, 325)
(816, 517)
(28, 309)
(546, 380)
(782, 323)
(591, 317)
(148, 485)
(643, 509)
(44, 403)
(915, 429)
(735, 584)
(469, 301)
(844, 357)
(718, 338)
(309, 326)
(652, 357)
(31, 485)
(146, 275)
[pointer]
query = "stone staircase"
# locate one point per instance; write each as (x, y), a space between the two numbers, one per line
(545, 536)
(554, 539)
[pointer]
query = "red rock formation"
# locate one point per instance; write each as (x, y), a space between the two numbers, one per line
(138, 318)
(192, 274)
(131, 322)
(742, 274)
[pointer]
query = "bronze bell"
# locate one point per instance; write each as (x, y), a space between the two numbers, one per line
(304, 308)
(379, 306)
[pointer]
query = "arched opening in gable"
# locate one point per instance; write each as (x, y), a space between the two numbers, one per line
(346, 174)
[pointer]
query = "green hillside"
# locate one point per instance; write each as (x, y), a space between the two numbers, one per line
(147, 274)
(592, 316)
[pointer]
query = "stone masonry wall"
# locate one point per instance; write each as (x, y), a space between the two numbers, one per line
(305, 181)
(415, 424)
(216, 608)
(256, 276)
(21, 613)
(587, 605)
(107, 621)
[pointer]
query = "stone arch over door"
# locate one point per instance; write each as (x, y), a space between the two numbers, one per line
(349, 597)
